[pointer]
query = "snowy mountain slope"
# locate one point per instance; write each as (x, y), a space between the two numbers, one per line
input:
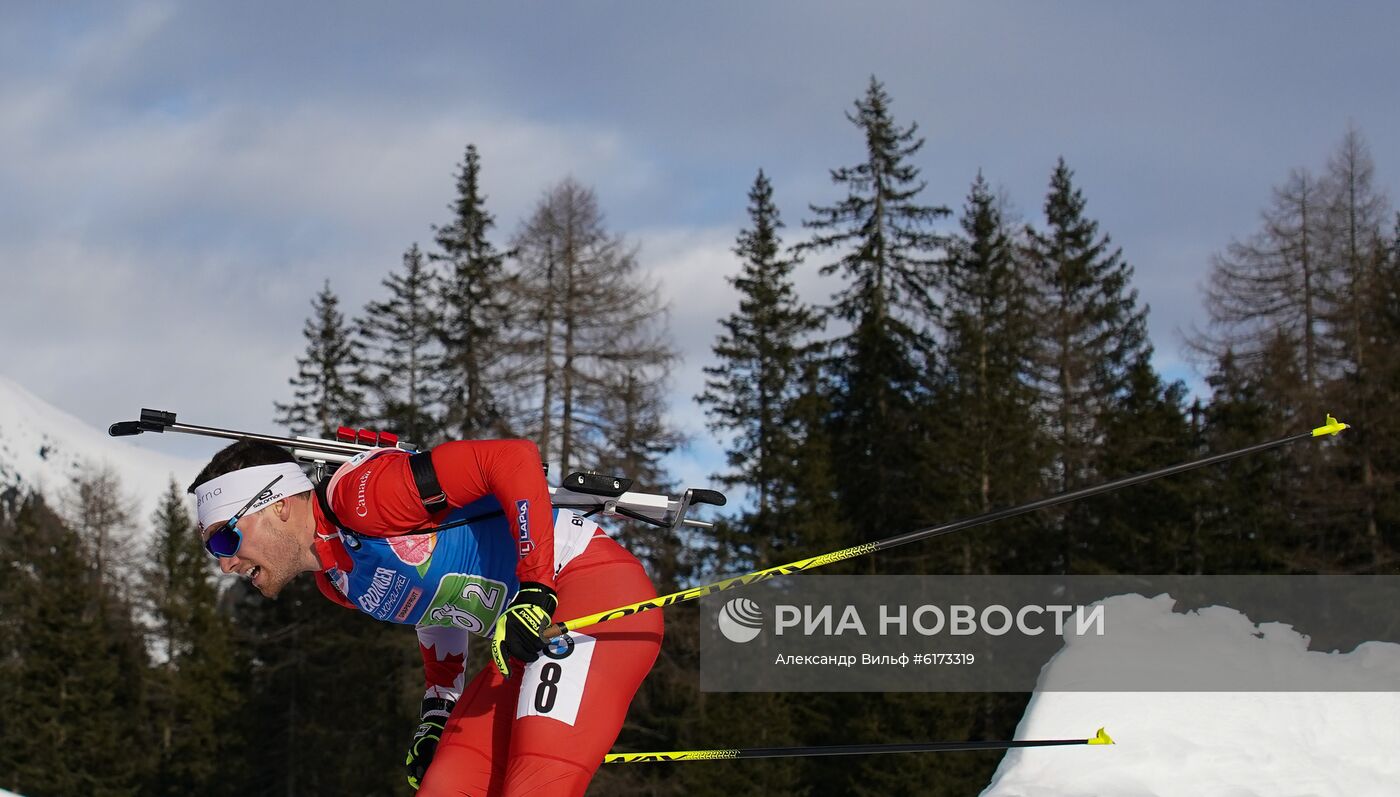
(43, 448)
(1238, 743)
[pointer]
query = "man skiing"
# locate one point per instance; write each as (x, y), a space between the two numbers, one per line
(504, 563)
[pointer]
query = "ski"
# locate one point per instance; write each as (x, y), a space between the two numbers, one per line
(1099, 738)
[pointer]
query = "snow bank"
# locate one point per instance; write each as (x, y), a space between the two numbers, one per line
(43, 448)
(1234, 744)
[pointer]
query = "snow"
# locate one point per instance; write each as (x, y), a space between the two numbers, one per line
(45, 449)
(1230, 743)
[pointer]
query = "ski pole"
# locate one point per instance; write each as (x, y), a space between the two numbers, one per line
(1331, 428)
(847, 749)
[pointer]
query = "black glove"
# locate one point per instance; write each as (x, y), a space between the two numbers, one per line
(425, 740)
(519, 627)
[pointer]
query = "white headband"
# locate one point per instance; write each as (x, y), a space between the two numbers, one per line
(219, 498)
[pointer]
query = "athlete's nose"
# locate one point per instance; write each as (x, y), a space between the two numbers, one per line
(228, 563)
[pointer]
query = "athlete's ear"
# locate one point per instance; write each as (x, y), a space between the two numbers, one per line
(296, 509)
(284, 510)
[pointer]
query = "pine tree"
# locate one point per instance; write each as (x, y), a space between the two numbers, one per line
(326, 390)
(886, 251)
(332, 696)
(989, 456)
(71, 666)
(812, 525)
(881, 399)
(1242, 525)
(1145, 529)
(752, 390)
(193, 695)
(813, 517)
(593, 317)
(403, 350)
(1093, 334)
(1384, 312)
(751, 393)
(882, 230)
(473, 313)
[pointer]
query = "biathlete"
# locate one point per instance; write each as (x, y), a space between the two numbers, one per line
(540, 726)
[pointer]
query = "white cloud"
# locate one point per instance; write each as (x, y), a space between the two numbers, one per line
(174, 257)
(691, 266)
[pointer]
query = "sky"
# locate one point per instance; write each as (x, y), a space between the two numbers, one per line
(177, 180)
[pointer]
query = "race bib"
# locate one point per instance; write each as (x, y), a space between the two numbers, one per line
(469, 602)
(553, 684)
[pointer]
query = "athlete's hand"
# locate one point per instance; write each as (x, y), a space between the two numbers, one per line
(519, 627)
(425, 740)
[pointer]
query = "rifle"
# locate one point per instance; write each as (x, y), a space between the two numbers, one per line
(587, 493)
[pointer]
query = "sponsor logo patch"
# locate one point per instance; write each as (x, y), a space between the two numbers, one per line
(385, 587)
(522, 522)
(361, 508)
(205, 496)
(412, 600)
(559, 647)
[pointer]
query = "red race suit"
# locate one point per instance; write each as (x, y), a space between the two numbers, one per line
(545, 730)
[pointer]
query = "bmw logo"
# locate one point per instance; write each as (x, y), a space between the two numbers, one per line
(559, 647)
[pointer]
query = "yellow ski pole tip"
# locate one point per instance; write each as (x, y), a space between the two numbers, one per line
(1101, 738)
(1333, 427)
